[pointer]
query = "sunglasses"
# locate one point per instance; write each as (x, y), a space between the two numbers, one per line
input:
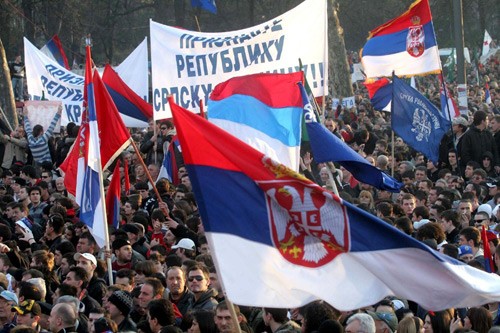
(196, 277)
(163, 128)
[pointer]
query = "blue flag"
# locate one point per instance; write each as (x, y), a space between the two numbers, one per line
(326, 147)
(416, 120)
(208, 5)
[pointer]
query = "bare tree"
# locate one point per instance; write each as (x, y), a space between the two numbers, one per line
(6, 93)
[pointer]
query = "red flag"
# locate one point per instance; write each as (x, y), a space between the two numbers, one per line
(114, 136)
(127, 179)
(488, 260)
(113, 197)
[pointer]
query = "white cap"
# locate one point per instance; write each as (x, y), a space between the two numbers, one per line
(185, 243)
(86, 256)
(420, 223)
(485, 208)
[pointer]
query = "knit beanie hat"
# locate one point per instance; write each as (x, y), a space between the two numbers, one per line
(122, 300)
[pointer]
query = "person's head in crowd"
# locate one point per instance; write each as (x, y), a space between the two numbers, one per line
(437, 321)
(316, 313)
(130, 207)
(450, 250)
(448, 194)
(105, 325)
(95, 314)
(67, 261)
(366, 197)
(478, 319)
(198, 278)
(214, 280)
(203, 321)
(160, 313)
(470, 236)
(86, 243)
(35, 195)
(465, 208)
(60, 187)
(64, 290)
(42, 260)
(62, 316)
(469, 169)
(144, 269)
(5, 263)
(487, 161)
(27, 290)
(384, 209)
(110, 290)
(424, 185)
(444, 174)
(382, 162)
(28, 313)
(54, 227)
(173, 260)
(410, 324)
(408, 177)
(126, 278)
(480, 120)
(86, 261)
(19, 210)
(132, 232)
(203, 247)
(150, 290)
(5, 233)
(274, 317)
(431, 230)
(31, 273)
(482, 218)
(185, 248)
(7, 300)
(77, 277)
(360, 322)
(419, 213)
(119, 305)
(421, 198)
(449, 220)
(404, 224)
(478, 176)
(169, 238)
(205, 259)
(143, 189)
(61, 249)
(408, 203)
(223, 319)
(40, 284)
(17, 184)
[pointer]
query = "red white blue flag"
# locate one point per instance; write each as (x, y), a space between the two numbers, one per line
(113, 203)
(380, 93)
(293, 242)
(54, 50)
(487, 95)
(171, 162)
(406, 45)
(263, 110)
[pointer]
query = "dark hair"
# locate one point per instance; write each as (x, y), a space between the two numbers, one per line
(66, 289)
(5, 232)
(162, 310)
(431, 230)
(404, 224)
(479, 116)
(471, 233)
(421, 211)
(35, 188)
(316, 313)
(70, 258)
(480, 319)
(451, 215)
(450, 250)
(37, 130)
(205, 319)
(80, 275)
(440, 320)
(87, 235)
(65, 247)
(279, 315)
(146, 267)
(30, 291)
(156, 284)
(56, 221)
(126, 273)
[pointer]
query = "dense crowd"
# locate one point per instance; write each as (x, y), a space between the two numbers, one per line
(54, 276)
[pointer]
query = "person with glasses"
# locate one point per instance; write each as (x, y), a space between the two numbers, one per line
(482, 218)
(199, 284)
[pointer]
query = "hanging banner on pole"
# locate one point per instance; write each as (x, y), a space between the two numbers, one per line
(188, 64)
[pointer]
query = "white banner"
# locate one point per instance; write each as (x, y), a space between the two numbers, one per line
(42, 113)
(188, 64)
(56, 83)
(59, 84)
(134, 70)
(347, 102)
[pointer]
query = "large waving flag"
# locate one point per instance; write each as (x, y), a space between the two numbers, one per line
(134, 110)
(263, 110)
(327, 147)
(486, 43)
(380, 93)
(54, 50)
(406, 45)
(114, 136)
(113, 203)
(305, 242)
(416, 120)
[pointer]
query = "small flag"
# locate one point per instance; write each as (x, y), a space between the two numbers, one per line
(380, 93)
(208, 5)
(416, 120)
(487, 95)
(54, 50)
(113, 197)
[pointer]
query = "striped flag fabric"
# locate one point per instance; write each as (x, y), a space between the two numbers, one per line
(263, 110)
(113, 203)
(54, 50)
(405, 45)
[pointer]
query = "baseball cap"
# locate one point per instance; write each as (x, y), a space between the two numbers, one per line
(27, 306)
(185, 243)
(387, 317)
(9, 296)
(86, 256)
(464, 249)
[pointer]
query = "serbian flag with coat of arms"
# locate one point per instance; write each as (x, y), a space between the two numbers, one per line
(406, 45)
(292, 242)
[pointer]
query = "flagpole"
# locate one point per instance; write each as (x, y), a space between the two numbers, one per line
(392, 131)
(453, 136)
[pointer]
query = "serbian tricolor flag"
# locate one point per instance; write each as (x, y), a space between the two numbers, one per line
(134, 110)
(406, 45)
(171, 162)
(448, 106)
(54, 50)
(114, 136)
(487, 95)
(263, 110)
(380, 93)
(113, 197)
(295, 242)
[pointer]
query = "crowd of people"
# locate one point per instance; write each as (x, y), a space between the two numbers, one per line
(54, 276)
